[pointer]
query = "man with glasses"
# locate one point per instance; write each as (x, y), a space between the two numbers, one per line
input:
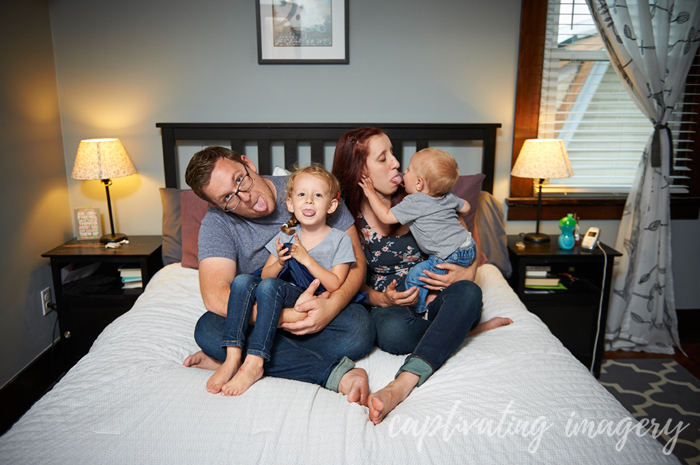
(321, 335)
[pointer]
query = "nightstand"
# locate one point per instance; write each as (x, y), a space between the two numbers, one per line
(84, 311)
(572, 315)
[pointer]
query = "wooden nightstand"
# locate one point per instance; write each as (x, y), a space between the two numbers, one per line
(573, 314)
(84, 312)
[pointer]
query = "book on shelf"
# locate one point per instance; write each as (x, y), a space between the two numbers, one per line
(537, 271)
(130, 279)
(133, 284)
(532, 289)
(548, 281)
(128, 271)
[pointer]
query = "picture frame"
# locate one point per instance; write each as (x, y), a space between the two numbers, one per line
(303, 31)
(87, 223)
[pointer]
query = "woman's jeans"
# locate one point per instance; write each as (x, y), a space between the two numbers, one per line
(321, 358)
(453, 313)
(464, 257)
(272, 295)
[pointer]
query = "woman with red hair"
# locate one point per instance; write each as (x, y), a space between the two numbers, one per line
(390, 251)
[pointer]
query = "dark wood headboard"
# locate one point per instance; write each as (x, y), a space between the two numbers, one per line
(317, 134)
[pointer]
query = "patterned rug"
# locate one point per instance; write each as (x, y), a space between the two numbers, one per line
(665, 394)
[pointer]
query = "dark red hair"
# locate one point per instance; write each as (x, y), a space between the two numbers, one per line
(350, 158)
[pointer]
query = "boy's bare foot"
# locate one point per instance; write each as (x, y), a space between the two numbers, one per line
(355, 385)
(431, 296)
(201, 360)
(226, 371)
(493, 323)
(250, 372)
(385, 400)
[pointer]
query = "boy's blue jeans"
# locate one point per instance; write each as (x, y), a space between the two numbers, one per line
(321, 358)
(463, 257)
(453, 313)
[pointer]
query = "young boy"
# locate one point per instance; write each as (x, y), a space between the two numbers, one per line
(430, 211)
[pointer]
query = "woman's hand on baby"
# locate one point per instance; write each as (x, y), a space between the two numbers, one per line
(438, 282)
(407, 298)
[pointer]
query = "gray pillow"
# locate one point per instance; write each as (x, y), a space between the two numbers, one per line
(490, 223)
(172, 231)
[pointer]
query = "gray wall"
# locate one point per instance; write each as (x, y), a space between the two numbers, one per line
(34, 202)
(123, 66)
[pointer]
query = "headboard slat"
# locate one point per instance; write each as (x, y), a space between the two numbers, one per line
(318, 134)
(238, 146)
(291, 154)
(264, 156)
(317, 155)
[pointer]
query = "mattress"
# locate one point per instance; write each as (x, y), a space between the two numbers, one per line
(510, 395)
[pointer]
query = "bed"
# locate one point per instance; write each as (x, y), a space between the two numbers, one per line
(511, 395)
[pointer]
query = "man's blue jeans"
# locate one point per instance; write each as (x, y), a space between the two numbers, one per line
(462, 257)
(453, 313)
(321, 358)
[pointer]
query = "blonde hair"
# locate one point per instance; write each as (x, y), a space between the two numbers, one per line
(438, 169)
(317, 170)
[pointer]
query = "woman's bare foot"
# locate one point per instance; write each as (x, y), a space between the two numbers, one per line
(355, 385)
(250, 372)
(493, 323)
(385, 400)
(201, 360)
(226, 371)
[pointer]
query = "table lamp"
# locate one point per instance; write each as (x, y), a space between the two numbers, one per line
(103, 159)
(542, 159)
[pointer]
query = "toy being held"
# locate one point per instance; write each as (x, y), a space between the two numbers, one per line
(567, 226)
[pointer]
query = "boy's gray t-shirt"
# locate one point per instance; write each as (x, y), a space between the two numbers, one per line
(334, 249)
(433, 222)
(243, 240)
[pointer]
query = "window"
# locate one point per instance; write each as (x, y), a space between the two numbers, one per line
(567, 89)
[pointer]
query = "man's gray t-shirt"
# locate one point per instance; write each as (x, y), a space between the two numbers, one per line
(334, 249)
(243, 240)
(433, 222)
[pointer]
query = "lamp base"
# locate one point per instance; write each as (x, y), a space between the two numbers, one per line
(118, 237)
(537, 238)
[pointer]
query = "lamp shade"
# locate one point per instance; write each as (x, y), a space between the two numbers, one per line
(101, 159)
(543, 158)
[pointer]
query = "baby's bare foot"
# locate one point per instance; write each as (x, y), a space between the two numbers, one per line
(201, 360)
(250, 372)
(493, 323)
(354, 384)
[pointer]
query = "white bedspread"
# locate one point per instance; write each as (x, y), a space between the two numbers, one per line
(511, 395)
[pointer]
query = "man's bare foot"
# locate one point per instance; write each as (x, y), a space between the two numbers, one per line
(355, 385)
(385, 400)
(250, 372)
(493, 323)
(201, 360)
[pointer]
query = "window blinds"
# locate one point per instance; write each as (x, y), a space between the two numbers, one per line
(584, 103)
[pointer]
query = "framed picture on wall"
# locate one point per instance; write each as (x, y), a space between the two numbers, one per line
(88, 225)
(302, 31)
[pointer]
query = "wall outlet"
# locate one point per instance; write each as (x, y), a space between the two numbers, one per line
(45, 301)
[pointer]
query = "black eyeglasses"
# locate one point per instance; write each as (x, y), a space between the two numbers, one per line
(244, 185)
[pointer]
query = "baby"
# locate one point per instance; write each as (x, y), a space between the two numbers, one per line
(431, 213)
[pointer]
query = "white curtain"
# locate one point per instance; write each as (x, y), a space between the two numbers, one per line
(651, 44)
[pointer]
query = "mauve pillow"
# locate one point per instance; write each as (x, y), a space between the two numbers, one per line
(468, 188)
(193, 210)
(172, 235)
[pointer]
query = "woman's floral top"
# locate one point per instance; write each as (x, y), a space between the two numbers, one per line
(388, 257)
